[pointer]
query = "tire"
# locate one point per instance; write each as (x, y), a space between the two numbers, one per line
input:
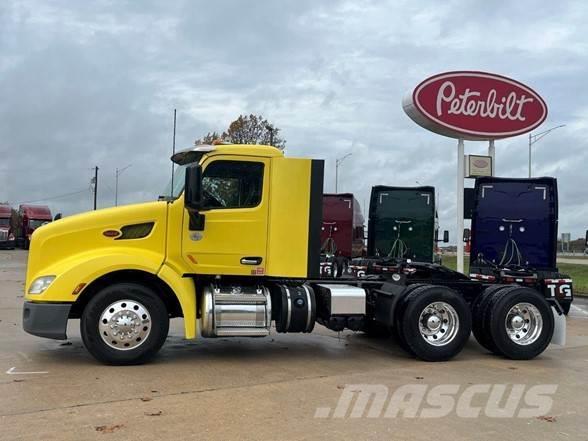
(534, 336)
(398, 316)
(449, 313)
(479, 314)
(113, 304)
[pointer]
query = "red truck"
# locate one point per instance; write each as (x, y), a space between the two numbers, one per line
(6, 233)
(342, 233)
(31, 217)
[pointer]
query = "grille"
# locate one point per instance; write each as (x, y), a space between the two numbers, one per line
(3, 235)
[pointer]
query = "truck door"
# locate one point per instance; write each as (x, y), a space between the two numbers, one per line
(231, 235)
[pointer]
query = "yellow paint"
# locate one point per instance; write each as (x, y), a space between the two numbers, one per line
(75, 250)
(288, 218)
(229, 234)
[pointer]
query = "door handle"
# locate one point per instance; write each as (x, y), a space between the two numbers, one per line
(251, 260)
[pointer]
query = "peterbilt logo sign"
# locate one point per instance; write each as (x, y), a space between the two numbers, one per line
(475, 105)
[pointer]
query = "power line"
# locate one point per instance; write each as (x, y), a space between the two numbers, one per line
(52, 197)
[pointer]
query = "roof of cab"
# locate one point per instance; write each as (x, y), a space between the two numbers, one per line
(226, 149)
(5, 210)
(41, 212)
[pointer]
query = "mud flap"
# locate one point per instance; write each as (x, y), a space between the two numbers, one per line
(559, 328)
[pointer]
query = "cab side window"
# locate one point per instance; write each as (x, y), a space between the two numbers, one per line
(232, 184)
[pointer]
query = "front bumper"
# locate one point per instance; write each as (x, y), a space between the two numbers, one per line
(47, 320)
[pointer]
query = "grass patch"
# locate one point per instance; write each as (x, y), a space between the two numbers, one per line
(578, 273)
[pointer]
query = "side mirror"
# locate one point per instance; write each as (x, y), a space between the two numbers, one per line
(445, 236)
(57, 217)
(466, 234)
(586, 238)
(193, 188)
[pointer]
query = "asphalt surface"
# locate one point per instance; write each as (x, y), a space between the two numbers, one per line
(267, 388)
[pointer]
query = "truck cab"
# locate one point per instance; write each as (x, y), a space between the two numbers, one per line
(342, 233)
(402, 223)
(7, 239)
(514, 235)
(31, 217)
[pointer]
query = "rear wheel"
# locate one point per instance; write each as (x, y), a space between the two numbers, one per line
(436, 323)
(399, 315)
(125, 323)
(521, 323)
(479, 312)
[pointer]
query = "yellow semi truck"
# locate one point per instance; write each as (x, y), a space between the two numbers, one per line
(234, 248)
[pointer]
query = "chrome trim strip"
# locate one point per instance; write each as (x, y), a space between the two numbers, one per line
(289, 316)
(309, 308)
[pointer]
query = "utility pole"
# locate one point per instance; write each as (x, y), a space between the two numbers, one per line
(338, 162)
(118, 173)
(95, 182)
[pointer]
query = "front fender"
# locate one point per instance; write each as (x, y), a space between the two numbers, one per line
(87, 267)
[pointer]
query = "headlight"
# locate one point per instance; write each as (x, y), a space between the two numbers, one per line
(41, 284)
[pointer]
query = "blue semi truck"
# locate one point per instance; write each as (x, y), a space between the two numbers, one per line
(514, 236)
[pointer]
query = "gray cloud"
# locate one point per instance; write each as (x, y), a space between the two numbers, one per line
(94, 83)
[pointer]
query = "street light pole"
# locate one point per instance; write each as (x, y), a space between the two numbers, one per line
(535, 138)
(95, 182)
(118, 173)
(337, 164)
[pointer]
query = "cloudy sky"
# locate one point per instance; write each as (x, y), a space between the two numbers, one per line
(86, 84)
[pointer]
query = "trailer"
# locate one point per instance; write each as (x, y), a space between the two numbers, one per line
(342, 233)
(234, 249)
(514, 236)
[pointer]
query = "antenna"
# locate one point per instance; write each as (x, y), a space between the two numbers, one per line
(171, 190)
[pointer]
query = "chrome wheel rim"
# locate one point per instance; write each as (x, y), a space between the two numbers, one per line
(524, 324)
(125, 325)
(438, 323)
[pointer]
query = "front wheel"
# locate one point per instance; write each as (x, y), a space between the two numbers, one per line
(124, 324)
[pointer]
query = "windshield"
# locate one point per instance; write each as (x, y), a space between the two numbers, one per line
(4, 222)
(36, 223)
(179, 179)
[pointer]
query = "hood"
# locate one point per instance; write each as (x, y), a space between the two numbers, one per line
(132, 226)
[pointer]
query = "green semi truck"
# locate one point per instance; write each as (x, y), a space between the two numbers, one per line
(403, 223)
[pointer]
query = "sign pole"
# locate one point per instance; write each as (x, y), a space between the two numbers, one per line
(492, 154)
(459, 208)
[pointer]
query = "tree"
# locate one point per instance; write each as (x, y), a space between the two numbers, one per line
(252, 129)
(209, 138)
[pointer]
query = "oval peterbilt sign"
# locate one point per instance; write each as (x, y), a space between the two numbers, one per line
(475, 105)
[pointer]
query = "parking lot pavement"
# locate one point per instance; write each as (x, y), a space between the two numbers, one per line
(267, 388)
